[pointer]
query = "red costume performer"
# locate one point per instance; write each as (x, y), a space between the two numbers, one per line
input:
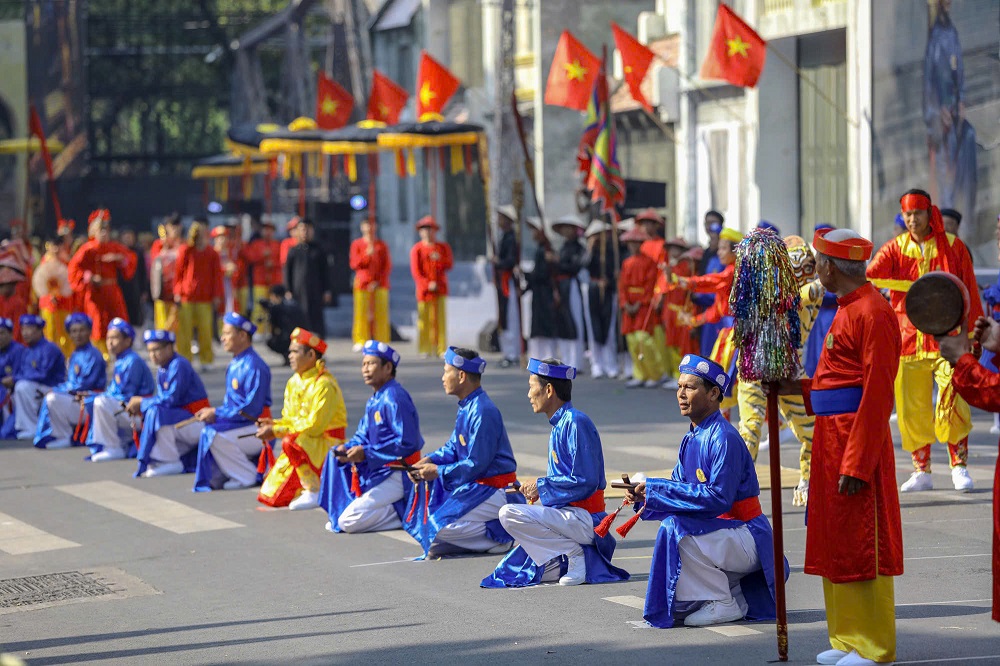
(290, 242)
(94, 270)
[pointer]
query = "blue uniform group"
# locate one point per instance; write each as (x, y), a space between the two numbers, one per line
(87, 375)
(131, 378)
(42, 367)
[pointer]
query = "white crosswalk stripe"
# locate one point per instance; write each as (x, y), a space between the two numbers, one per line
(19, 538)
(147, 507)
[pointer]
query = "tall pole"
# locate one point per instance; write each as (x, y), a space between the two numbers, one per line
(776, 525)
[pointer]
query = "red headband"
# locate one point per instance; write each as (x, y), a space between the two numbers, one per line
(304, 337)
(852, 249)
(910, 202)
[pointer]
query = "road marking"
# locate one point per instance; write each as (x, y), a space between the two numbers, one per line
(733, 630)
(946, 557)
(147, 508)
(630, 600)
(948, 659)
(18, 538)
(375, 564)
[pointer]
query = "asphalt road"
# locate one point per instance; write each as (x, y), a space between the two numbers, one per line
(183, 578)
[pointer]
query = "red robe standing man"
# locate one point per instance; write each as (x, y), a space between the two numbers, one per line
(93, 273)
(430, 261)
(854, 535)
(263, 255)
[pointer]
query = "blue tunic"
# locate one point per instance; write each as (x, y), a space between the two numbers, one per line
(709, 332)
(88, 371)
(248, 392)
(575, 472)
(178, 391)
(43, 362)
(388, 430)
(714, 470)
(817, 336)
(131, 378)
(10, 362)
(478, 449)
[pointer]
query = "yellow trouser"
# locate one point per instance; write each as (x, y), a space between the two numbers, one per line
(753, 412)
(259, 314)
(192, 316)
(862, 616)
(645, 360)
(55, 330)
(919, 426)
(362, 329)
(662, 359)
(671, 360)
(165, 315)
(432, 329)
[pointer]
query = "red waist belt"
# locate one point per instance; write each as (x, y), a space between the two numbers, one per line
(499, 480)
(193, 407)
(336, 433)
(745, 510)
(411, 459)
(593, 504)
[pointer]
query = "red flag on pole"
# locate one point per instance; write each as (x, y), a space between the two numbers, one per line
(636, 59)
(333, 103)
(387, 100)
(35, 127)
(435, 85)
(572, 75)
(736, 53)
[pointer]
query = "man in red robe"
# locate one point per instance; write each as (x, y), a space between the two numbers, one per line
(854, 534)
(93, 272)
(980, 388)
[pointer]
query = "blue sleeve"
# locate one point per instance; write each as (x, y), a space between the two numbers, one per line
(137, 380)
(579, 470)
(484, 437)
(256, 382)
(704, 500)
(50, 368)
(178, 377)
(93, 372)
(399, 433)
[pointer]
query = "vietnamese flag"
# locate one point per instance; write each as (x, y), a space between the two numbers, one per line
(636, 59)
(736, 53)
(572, 75)
(333, 103)
(388, 99)
(435, 85)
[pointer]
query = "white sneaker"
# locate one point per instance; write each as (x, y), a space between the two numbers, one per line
(576, 571)
(307, 500)
(995, 429)
(917, 482)
(107, 454)
(650, 383)
(357, 347)
(960, 477)
(670, 384)
(830, 657)
(329, 526)
(800, 496)
(164, 469)
(57, 444)
(855, 659)
(715, 612)
(233, 484)
(633, 383)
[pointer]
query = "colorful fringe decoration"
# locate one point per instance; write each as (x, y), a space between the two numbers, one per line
(765, 304)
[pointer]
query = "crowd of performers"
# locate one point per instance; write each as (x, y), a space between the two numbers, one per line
(713, 560)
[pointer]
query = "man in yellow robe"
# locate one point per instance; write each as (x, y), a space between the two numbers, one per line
(313, 418)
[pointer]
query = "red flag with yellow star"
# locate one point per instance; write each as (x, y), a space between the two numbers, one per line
(333, 103)
(736, 53)
(572, 75)
(388, 99)
(435, 85)
(636, 59)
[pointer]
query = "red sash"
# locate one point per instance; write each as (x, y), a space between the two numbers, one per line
(499, 481)
(745, 510)
(193, 407)
(593, 504)
(336, 433)
(505, 277)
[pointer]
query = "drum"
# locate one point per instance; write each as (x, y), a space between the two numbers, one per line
(937, 303)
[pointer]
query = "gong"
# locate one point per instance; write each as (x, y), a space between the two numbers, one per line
(937, 303)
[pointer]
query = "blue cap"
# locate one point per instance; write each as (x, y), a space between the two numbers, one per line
(708, 370)
(715, 228)
(240, 322)
(900, 222)
(125, 328)
(78, 318)
(382, 350)
(7, 323)
(764, 224)
(474, 365)
(550, 370)
(31, 320)
(824, 225)
(159, 335)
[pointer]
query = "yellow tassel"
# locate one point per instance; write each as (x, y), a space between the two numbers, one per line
(457, 160)
(352, 168)
(411, 163)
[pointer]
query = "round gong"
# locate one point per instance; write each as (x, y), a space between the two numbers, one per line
(937, 303)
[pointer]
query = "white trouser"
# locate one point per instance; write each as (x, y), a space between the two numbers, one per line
(172, 443)
(113, 432)
(28, 396)
(712, 565)
(571, 351)
(232, 454)
(510, 336)
(625, 359)
(546, 533)
(469, 531)
(373, 511)
(542, 348)
(604, 358)
(64, 414)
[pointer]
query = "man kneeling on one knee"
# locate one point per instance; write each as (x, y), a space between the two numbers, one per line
(714, 546)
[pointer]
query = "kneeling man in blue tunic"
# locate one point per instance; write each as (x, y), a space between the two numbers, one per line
(64, 418)
(555, 530)
(469, 475)
(713, 561)
(42, 368)
(360, 489)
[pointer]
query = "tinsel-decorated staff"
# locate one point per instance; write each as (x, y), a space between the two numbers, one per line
(765, 304)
